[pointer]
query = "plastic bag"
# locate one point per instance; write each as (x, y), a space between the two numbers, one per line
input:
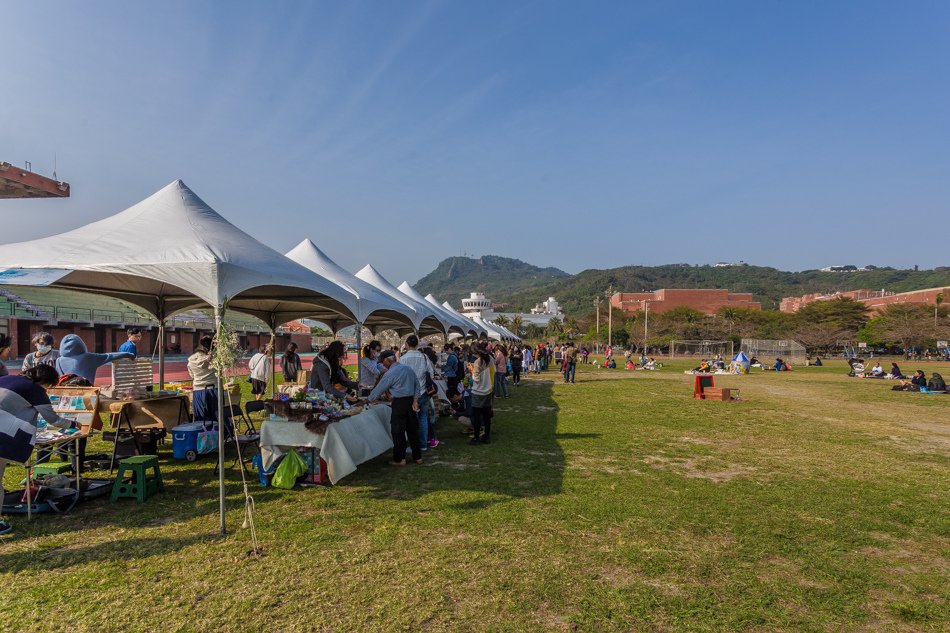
(290, 468)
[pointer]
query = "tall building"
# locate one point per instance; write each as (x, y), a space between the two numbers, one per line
(707, 301)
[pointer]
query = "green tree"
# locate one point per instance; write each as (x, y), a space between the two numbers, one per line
(905, 324)
(843, 314)
(555, 327)
(502, 321)
(571, 327)
(517, 325)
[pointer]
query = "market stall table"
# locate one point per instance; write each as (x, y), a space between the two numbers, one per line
(55, 441)
(345, 444)
(163, 412)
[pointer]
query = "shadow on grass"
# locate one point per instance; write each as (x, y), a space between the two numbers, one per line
(60, 555)
(524, 459)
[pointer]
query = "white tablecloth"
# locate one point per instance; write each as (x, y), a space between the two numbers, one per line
(443, 386)
(347, 443)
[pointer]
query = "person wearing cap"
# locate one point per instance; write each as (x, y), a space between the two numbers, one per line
(131, 345)
(44, 354)
(403, 387)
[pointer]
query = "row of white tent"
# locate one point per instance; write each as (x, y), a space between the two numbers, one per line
(172, 252)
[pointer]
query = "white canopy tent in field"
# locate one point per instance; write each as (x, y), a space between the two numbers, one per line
(493, 332)
(514, 337)
(375, 310)
(423, 316)
(448, 320)
(173, 252)
(468, 326)
(480, 329)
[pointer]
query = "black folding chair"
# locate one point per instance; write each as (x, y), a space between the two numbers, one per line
(253, 406)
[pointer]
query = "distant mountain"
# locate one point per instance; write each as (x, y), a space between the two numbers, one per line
(512, 281)
(500, 278)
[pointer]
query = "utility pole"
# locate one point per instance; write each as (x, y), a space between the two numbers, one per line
(610, 317)
(646, 322)
(597, 305)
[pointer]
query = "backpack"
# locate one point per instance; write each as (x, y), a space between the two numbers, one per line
(72, 380)
(936, 383)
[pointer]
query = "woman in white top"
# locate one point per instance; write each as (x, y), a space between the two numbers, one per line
(261, 371)
(482, 389)
(370, 369)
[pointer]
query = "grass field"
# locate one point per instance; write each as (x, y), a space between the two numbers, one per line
(819, 503)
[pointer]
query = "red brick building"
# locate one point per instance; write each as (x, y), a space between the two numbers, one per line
(707, 301)
(876, 300)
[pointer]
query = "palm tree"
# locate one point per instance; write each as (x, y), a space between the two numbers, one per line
(502, 321)
(555, 327)
(517, 325)
(572, 327)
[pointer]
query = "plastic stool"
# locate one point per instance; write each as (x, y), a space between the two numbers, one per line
(52, 468)
(142, 486)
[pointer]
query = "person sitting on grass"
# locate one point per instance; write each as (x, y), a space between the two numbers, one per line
(916, 382)
(896, 371)
(818, 362)
(779, 365)
(876, 372)
(704, 367)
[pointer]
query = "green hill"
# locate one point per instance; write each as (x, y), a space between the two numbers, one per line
(500, 278)
(522, 285)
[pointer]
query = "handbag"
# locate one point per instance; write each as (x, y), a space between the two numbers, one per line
(431, 388)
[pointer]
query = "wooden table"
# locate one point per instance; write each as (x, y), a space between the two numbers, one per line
(161, 412)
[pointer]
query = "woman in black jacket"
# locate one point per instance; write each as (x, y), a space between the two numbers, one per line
(328, 374)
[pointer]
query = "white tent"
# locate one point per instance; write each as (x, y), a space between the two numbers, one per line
(493, 332)
(375, 310)
(514, 337)
(423, 316)
(468, 326)
(448, 320)
(479, 329)
(172, 252)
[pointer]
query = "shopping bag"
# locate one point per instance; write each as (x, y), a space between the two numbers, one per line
(207, 442)
(290, 468)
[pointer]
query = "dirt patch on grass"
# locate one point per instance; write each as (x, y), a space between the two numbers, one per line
(699, 467)
(784, 571)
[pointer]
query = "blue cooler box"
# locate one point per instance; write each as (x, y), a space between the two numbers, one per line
(185, 440)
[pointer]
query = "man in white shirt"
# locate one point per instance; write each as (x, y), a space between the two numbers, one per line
(416, 360)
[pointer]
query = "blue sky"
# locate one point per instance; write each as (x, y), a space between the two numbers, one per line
(570, 134)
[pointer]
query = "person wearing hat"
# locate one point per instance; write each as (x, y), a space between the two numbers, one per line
(403, 387)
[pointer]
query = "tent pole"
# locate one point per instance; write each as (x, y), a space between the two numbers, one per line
(161, 355)
(359, 364)
(218, 316)
(273, 359)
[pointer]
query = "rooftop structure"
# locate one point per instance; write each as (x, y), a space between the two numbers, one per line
(707, 301)
(17, 182)
(478, 305)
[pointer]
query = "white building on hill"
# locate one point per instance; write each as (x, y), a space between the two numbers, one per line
(477, 304)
